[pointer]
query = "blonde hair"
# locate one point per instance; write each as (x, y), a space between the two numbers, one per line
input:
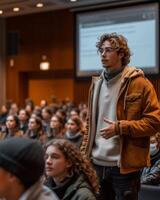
(80, 164)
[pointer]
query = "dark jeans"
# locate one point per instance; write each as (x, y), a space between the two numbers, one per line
(116, 186)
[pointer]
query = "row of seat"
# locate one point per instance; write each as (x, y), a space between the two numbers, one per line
(149, 192)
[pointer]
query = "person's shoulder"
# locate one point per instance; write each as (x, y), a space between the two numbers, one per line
(137, 75)
(48, 194)
(132, 72)
(83, 189)
(84, 193)
(97, 78)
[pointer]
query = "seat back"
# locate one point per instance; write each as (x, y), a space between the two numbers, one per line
(149, 192)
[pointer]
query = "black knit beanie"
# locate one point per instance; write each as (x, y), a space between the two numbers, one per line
(22, 157)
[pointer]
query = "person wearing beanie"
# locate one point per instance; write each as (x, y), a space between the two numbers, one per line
(21, 169)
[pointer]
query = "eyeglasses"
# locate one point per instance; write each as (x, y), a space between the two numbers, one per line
(106, 50)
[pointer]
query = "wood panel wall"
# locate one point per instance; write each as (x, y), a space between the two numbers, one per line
(50, 34)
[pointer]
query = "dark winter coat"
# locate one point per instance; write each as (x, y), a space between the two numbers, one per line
(151, 175)
(75, 188)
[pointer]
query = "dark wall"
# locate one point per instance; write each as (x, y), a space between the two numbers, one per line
(51, 34)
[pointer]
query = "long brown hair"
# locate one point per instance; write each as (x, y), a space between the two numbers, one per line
(80, 165)
(78, 122)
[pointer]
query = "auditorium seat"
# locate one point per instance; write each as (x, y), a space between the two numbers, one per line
(149, 192)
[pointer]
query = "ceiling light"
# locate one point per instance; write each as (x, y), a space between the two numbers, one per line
(1, 12)
(16, 9)
(44, 64)
(39, 5)
(73, 0)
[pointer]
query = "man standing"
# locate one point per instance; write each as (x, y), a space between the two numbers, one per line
(123, 114)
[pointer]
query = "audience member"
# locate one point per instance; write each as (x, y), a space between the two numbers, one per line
(62, 114)
(35, 129)
(69, 174)
(14, 109)
(74, 112)
(21, 167)
(74, 130)
(56, 127)
(46, 117)
(23, 117)
(43, 103)
(12, 128)
(151, 175)
(3, 116)
(29, 106)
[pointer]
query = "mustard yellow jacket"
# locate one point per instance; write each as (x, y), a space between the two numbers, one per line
(138, 114)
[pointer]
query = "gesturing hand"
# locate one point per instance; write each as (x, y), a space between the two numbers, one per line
(108, 131)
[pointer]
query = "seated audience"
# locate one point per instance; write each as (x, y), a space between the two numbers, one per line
(56, 129)
(37, 112)
(74, 112)
(43, 103)
(69, 174)
(12, 128)
(62, 114)
(3, 116)
(74, 130)
(35, 129)
(29, 107)
(23, 117)
(46, 117)
(14, 108)
(151, 175)
(21, 167)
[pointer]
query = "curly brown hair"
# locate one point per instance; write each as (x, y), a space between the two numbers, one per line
(80, 164)
(119, 43)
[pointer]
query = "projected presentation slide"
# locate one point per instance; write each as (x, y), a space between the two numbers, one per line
(139, 24)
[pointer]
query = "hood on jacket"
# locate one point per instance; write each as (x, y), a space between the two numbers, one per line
(132, 72)
(128, 72)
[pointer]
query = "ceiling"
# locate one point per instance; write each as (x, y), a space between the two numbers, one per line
(29, 6)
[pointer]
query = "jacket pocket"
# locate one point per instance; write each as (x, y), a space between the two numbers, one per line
(133, 106)
(136, 152)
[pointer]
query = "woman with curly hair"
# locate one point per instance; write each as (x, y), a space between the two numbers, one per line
(69, 174)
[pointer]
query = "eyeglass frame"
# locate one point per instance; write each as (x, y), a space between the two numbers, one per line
(106, 50)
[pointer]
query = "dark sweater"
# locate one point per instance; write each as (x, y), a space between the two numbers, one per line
(75, 188)
(74, 138)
